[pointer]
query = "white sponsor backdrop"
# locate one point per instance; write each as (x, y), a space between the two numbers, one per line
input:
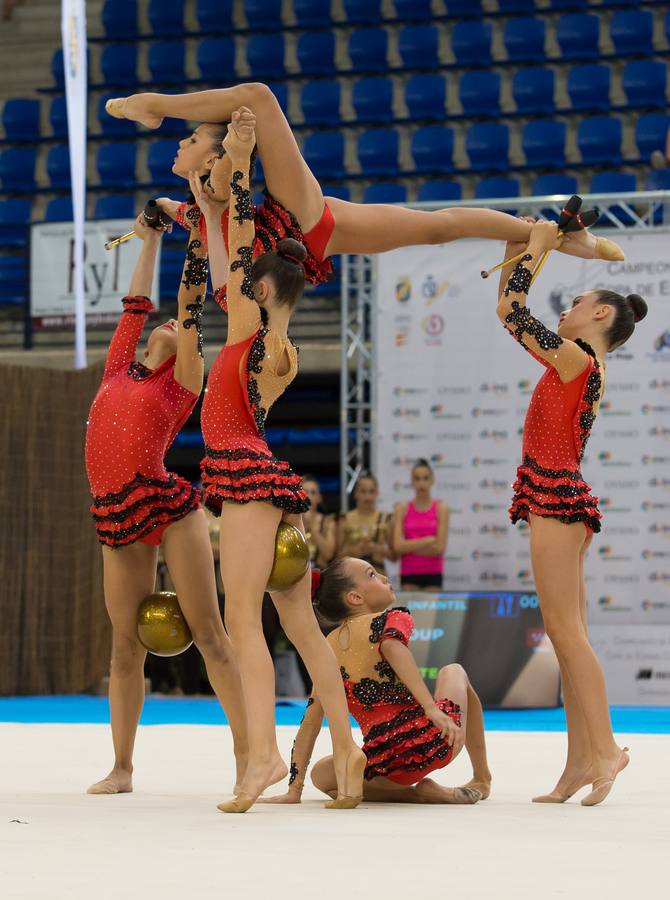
(107, 273)
(454, 387)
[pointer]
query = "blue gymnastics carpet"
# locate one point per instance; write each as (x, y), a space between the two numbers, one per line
(84, 709)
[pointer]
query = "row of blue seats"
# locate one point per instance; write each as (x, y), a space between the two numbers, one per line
(578, 36)
(599, 140)
(533, 90)
(119, 17)
(297, 436)
(16, 215)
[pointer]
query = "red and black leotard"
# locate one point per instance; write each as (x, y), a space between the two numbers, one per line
(399, 740)
(134, 418)
(272, 223)
(243, 384)
(558, 424)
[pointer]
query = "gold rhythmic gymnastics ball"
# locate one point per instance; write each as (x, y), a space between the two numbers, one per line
(161, 626)
(291, 558)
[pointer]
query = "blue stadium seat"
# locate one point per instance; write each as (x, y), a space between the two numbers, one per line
(109, 126)
(378, 152)
(280, 90)
(644, 82)
(118, 64)
(14, 221)
(439, 191)
(578, 36)
(160, 159)
(119, 20)
(494, 188)
(316, 53)
(516, 7)
(543, 142)
(116, 164)
(166, 19)
(632, 31)
(419, 46)
(657, 181)
(363, 12)
(58, 117)
(21, 119)
(524, 39)
(650, 133)
(479, 93)
(166, 61)
(372, 99)
(413, 9)
(13, 280)
(309, 14)
(265, 55)
(464, 9)
(425, 96)
(115, 206)
(487, 146)
(433, 149)
(388, 192)
(58, 166)
(599, 140)
(17, 168)
(320, 102)
(324, 153)
(589, 86)
(559, 5)
(216, 59)
(59, 210)
(341, 191)
(546, 185)
(367, 50)
(533, 90)
(58, 68)
(471, 42)
(215, 16)
(169, 274)
(613, 183)
(265, 13)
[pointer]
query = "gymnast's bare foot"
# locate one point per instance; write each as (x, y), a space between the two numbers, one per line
(119, 781)
(258, 778)
(136, 108)
(483, 785)
(430, 791)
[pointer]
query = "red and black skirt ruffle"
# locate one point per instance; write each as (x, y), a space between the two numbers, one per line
(243, 475)
(408, 747)
(143, 505)
(554, 493)
(274, 222)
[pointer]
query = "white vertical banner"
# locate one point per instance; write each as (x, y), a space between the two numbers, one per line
(73, 29)
(454, 387)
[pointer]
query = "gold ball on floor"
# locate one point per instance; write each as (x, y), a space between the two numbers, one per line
(291, 558)
(161, 626)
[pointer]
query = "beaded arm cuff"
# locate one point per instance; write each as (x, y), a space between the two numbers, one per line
(195, 276)
(520, 279)
(525, 323)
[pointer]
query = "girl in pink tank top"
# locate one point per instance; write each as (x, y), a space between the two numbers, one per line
(420, 537)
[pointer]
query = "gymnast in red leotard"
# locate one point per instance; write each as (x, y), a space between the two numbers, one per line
(329, 225)
(407, 732)
(252, 490)
(138, 504)
(551, 495)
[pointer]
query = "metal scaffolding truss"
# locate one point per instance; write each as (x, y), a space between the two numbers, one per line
(633, 212)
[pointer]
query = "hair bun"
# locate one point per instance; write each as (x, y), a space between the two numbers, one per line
(638, 305)
(292, 250)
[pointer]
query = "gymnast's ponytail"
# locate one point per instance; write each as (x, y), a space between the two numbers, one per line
(329, 588)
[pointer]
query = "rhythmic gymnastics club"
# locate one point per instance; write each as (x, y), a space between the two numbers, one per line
(570, 220)
(153, 216)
